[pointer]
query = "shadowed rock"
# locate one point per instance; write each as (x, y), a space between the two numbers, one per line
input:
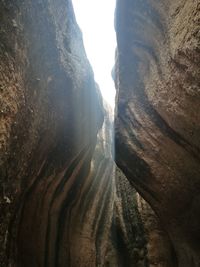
(158, 115)
(60, 203)
(51, 111)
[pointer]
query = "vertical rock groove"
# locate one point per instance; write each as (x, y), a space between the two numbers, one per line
(63, 201)
(60, 204)
(51, 111)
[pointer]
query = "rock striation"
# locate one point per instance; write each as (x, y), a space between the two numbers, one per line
(51, 111)
(105, 226)
(125, 243)
(60, 203)
(158, 114)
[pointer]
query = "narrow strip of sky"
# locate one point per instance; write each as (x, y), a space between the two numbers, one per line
(96, 20)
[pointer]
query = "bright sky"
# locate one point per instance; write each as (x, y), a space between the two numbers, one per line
(96, 20)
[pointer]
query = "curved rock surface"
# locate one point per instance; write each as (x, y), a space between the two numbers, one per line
(125, 243)
(60, 202)
(158, 114)
(51, 112)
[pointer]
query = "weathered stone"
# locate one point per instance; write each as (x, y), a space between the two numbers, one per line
(60, 202)
(51, 112)
(158, 114)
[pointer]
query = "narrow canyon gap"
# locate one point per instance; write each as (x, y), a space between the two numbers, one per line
(99, 41)
(61, 204)
(63, 201)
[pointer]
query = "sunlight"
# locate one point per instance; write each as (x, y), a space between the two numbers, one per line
(96, 20)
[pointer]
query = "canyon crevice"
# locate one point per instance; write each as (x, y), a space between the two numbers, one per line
(63, 200)
(60, 203)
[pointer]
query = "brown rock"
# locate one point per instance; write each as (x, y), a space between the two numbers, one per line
(158, 114)
(60, 204)
(51, 112)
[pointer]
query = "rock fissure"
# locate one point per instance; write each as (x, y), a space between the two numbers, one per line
(63, 200)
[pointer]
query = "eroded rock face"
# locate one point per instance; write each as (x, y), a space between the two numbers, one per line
(51, 112)
(107, 213)
(158, 247)
(158, 114)
(60, 202)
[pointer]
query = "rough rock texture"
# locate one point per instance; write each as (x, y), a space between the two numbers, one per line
(50, 114)
(158, 114)
(125, 244)
(159, 250)
(60, 204)
(131, 238)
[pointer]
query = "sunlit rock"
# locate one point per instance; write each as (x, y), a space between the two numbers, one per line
(62, 201)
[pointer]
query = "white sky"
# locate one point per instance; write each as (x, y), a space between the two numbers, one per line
(96, 20)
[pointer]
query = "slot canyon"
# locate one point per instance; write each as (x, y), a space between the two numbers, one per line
(79, 188)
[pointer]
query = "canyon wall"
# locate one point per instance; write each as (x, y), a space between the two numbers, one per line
(60, 204)
(62, 199)
(51, 111)
(157, 123)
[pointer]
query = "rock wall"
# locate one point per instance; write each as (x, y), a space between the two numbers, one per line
(50, 114)
(60, 203)
(127, 239)
(131, 238)
(158, 114)
(159, 251)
